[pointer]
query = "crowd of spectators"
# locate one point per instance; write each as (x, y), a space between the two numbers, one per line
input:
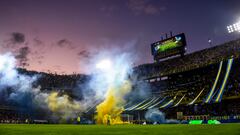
(186, 75)
(53, 81)
(190, 61)
(11, 115)
(193, 73)
(191, 83)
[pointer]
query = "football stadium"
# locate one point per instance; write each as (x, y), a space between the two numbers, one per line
(198, 88)
(178, 92)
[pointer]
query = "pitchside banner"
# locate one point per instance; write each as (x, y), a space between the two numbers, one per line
(179, 115)
(169, 47)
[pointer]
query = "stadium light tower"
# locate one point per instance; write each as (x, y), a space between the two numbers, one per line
(234, 28)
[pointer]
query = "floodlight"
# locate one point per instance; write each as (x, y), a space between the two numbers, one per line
(234, 28)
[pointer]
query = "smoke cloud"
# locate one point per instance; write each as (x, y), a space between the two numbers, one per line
(22, 91)
(156, 116)
(108, 88)
(109, 85)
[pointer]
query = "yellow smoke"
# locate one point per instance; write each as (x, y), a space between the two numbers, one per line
(109, 111)
(62, 105)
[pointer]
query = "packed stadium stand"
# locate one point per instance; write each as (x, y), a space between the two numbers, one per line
(200, 85)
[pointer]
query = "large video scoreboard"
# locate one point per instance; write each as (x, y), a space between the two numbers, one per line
(169, 47)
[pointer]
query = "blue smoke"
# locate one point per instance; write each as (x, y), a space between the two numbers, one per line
(154, 115)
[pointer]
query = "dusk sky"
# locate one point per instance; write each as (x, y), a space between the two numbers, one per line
(58, 35)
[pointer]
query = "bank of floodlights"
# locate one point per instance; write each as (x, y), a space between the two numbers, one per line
(234, 28)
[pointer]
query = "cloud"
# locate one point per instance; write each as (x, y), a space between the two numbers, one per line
(37, 56)
(16, 38)
(38, 42)
(65, 43)
(146, 7)
(84, 54)
(22, 56)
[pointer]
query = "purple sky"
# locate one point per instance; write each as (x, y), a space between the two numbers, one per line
(58, 35)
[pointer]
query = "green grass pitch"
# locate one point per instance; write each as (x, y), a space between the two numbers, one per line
(222, 129)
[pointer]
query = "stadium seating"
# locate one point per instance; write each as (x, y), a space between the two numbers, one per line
(203, 85)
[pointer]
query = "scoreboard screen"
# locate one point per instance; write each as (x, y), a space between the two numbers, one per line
(169, 47)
